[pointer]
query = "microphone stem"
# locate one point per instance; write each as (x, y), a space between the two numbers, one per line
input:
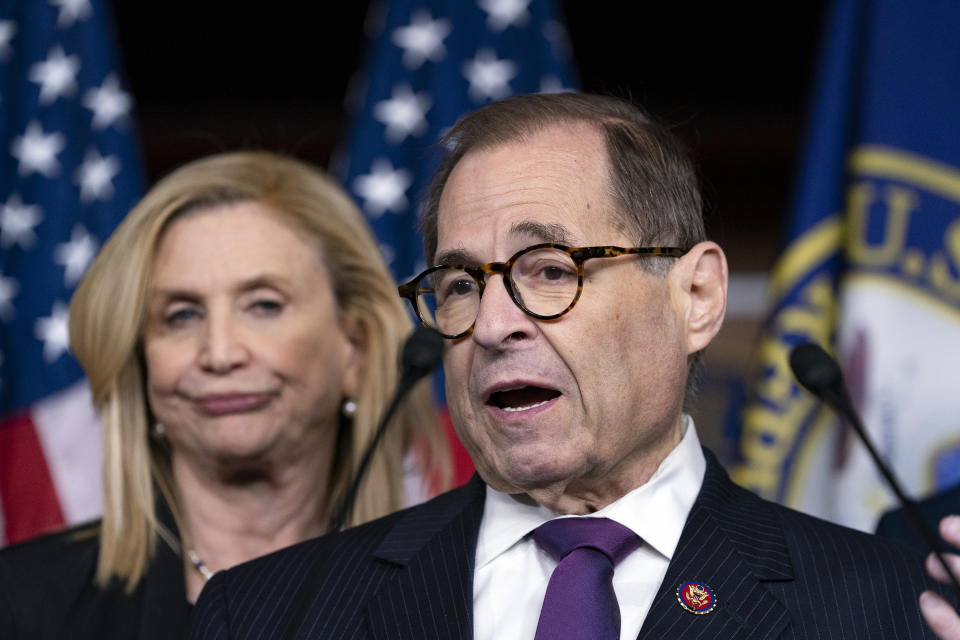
(843, 404)
(343, 511)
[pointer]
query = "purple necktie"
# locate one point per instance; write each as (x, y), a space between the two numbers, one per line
(580, 603)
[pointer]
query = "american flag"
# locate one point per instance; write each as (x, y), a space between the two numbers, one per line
(69, 171)
(432, 61)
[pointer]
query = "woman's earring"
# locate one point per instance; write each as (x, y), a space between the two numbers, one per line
(348, 408)
(159, 430)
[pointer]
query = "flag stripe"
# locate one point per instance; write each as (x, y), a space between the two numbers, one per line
(27, 492)
(69, 431)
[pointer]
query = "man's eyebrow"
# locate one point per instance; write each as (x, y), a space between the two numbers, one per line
(455, 256)
(544, 232)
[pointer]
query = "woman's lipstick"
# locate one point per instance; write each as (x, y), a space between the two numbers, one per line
(226, 403)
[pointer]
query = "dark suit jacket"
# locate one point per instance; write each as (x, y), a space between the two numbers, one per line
(47, 592)
(895, 525)
(776, 573)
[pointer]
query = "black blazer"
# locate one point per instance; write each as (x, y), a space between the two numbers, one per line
(776, 573)
(896, 525)
(47, 592)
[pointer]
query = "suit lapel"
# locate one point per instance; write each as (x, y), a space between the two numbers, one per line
(732, 544)
(431, 553)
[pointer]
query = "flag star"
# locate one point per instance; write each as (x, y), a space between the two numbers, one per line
(489, 78)
(71, 11)
(404, 113)
(37, 152)
(8, 289)
(108, 102)
(54, 331)
(556, 35)
(504, 13)
(384, 188)
(17, 221)
(94, 176)
(57, 75)
(387, 252)
(422, 39)
(75, 255)
(8, 29)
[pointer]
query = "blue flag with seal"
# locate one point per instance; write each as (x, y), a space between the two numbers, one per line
(871, 271)
(431, 62)
(69, 172)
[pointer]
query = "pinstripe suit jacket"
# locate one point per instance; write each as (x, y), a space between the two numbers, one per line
(776, 573)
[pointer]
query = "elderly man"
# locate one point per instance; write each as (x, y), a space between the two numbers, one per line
(576, 288)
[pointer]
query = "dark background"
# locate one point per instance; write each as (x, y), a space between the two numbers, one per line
(733, 78)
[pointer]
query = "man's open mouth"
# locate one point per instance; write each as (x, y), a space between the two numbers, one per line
(522, 398)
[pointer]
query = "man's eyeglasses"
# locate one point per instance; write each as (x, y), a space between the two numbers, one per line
(544, 280)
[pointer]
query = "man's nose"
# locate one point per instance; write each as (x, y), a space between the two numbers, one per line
(223, 347)
(499, 319)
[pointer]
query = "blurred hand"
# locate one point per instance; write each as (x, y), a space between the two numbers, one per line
(942, 617)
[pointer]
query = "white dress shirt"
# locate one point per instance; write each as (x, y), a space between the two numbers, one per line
(512, 572)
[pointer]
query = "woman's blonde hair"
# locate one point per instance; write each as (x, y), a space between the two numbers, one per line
(106, 318)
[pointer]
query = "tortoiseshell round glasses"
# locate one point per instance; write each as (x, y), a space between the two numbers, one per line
(544, 280)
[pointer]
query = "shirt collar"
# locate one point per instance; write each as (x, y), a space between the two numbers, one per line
(669, 495)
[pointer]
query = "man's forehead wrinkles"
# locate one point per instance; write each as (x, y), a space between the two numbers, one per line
(533, 230)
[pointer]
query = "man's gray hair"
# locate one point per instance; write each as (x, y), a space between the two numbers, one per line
(653, 183)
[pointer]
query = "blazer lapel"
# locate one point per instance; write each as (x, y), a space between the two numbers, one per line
(733, 545)
(432, 556)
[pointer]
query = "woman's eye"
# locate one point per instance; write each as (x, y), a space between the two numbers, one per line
(267, 307)
(180, 317)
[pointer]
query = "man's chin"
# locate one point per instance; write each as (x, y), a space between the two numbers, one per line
(542, 476)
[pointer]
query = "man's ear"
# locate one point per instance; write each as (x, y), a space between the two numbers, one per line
(702, 280)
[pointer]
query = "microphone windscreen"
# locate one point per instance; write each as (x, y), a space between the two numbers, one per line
(815, 369)
(422, 352)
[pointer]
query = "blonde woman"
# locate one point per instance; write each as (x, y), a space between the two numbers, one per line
(240, 333)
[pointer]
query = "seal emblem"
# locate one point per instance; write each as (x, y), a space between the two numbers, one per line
(696, 597)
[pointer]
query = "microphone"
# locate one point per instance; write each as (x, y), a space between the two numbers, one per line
(820, 375)
(421, 354)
